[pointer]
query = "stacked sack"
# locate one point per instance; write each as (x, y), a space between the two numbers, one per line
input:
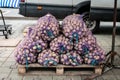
(37, 39)
(95, 56)
(48, 27)
(83, 40)
(49, 44)
(71, 58)
(48, 58)
(61, 45)
(27, 51)
(74, 27)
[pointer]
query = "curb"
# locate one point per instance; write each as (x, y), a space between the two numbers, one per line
(19, 18)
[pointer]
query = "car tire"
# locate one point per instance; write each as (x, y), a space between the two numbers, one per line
(93, 25)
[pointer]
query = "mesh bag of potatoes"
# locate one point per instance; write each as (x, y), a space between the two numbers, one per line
(61, 45)
(48, 27)
(27, 51)
(48, 58)
(71, 58)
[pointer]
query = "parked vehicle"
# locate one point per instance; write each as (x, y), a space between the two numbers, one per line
(103, 10)
(61, 8)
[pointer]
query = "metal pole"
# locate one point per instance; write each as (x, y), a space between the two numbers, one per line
(3, 20)
(114, 25)
(114, 30)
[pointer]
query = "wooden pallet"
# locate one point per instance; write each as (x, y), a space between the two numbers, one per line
(61, 68)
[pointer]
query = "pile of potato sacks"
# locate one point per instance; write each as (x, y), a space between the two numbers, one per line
(50, 44)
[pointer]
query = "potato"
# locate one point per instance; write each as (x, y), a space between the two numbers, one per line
(61, 45)
(27, 50)
(73, 27)
(71, 58)
(95, 57)
(49, 26)
(48, 58)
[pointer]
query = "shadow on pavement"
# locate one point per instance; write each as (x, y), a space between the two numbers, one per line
(108, 30)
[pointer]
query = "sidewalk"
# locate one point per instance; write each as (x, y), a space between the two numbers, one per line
(13, 13)
(8, 65)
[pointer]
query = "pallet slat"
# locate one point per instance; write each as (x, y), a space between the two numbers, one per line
(60, 69)
(60, 65)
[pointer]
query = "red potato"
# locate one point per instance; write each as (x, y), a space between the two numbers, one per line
(49, 26)
(95, 57)
(71, 58)
(85, 44)
(48, 58)
(61, 45)
(26, 52)
(74, 27)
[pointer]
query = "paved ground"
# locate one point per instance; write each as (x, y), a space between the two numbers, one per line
(8, 66)
(13, 13)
